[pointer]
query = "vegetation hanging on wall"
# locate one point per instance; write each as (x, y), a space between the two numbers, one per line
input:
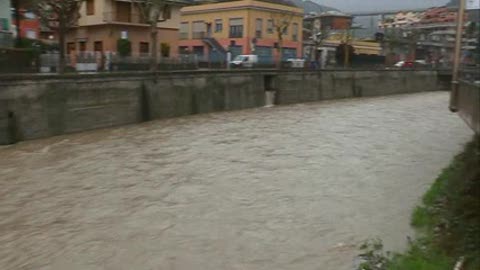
(124, 47)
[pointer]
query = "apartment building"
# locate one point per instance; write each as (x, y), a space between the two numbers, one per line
(241, 27)
(5, 24)
(103, 22)
(432, 31)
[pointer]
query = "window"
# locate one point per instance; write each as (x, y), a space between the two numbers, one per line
(258, 28)
(218, 26)
(198, 29)
(270, 26)
(285, 30)
(183, 50)
(236, 28)
(70, 47)
(123, 12)
(90, 7)
(167, 13)
(144, 48)
(295, 32)
(184, 30)
(199, 52)
(98, 46)
(82, 46)
(4, 24)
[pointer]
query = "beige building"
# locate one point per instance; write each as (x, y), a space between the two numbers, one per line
(241, 27)
(103, 22)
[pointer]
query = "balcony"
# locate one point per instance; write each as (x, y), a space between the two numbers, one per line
(123, 18)
(183, 36)
(199, 35)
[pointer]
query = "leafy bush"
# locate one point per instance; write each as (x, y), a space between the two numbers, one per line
(165, 49)
(124, 47)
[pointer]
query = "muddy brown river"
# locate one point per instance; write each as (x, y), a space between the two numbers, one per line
(290, 187)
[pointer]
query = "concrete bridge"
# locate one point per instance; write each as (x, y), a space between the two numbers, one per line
(297, 186)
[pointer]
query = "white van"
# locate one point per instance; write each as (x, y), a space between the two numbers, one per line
(247, 60)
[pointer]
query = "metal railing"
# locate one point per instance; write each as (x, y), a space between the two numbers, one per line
(198, 35)
(143, 62)
(183, 36)
(6, 39)
(114, 17)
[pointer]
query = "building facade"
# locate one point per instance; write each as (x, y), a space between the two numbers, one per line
(5, 24)
(428, 35)
(29, 24)
(323, 34)
(241, 27)
(103, 22)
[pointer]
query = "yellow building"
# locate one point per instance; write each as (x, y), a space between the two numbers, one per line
(103, 22)
(242, 27)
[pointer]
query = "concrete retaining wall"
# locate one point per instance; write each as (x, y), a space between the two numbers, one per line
(304, 87)
(42, 106)
(469, 104)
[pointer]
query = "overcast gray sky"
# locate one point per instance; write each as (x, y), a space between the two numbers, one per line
(372, 5)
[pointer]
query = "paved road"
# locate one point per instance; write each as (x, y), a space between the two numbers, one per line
(292, 187)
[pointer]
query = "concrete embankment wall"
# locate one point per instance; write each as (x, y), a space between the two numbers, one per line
(305, 87)
(469, 104)
(41, 106)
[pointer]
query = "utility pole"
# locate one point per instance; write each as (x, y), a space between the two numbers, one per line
(346, 52)
(456, 62)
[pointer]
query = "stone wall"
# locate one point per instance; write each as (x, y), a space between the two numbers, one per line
(41, 106)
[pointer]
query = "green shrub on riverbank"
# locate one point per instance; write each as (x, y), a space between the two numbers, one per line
(448, 220)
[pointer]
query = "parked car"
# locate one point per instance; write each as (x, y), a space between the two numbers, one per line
(411, 64)
(296, 63)
(247, 61)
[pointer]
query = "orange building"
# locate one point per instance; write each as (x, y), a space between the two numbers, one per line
(103, 22)
(241, 27)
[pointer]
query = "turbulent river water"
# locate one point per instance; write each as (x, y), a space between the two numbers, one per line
(290, 187)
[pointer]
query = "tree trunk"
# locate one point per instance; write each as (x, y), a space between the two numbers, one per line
(18, 39)
(280, 51)
(61, 43)
(154, 51)
(413, 50)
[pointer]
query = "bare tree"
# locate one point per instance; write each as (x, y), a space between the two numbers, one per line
(392, 41)
(280, 22)
(60, 16)
(153, 12)
(319, 39)
(402, 38)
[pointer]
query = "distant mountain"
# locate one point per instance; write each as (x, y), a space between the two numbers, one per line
(310, 6)
(453, 3)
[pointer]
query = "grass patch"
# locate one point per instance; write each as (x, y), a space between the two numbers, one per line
(420, 258)
(420, 217)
